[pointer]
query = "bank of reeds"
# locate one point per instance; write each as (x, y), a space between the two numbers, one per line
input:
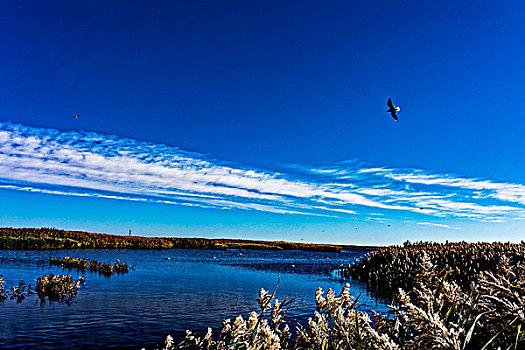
(118, 267)
(393, 267)
(435, 313)
(52, 238)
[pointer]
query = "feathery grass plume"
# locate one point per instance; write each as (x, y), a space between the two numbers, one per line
(257, 332)
(3, 291)
(502, 301)
(337, 324)
(439, 313)
(434, 315)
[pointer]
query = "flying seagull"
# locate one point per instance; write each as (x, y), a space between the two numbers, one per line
(393, 109)
(76, 116)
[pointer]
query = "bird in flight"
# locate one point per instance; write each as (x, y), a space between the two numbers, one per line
(76, 116)
(393, 109)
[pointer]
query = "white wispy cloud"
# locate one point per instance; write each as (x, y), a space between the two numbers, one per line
(436, 194)
(502, 191)
(102, 166)
(437, 225)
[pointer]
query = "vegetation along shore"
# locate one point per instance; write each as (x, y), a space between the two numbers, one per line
(52, 238)
(450, 296)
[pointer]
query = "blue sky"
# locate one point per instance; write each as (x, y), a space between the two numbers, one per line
(265, 120)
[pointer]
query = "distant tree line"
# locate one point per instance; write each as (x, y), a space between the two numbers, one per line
(53, 238)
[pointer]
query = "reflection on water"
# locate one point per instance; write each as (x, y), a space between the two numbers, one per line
(170, 291)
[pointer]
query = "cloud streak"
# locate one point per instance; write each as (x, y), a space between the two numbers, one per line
(94, 165)
(437, 225)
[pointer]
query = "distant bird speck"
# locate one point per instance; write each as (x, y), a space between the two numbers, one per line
(392, 109)
(388, 225)
(76, 116)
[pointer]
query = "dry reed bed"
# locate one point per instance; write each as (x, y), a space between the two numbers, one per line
(118, 267)
(436, 313)
(394, 267)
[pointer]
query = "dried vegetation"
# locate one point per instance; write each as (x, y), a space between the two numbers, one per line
(394, 267)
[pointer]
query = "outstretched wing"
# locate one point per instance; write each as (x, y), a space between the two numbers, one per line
(390, 104)
(394, 115)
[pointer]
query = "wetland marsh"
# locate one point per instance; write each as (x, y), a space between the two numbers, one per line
(169, 291)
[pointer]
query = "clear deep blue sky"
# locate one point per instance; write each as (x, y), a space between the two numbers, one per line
(282, 101)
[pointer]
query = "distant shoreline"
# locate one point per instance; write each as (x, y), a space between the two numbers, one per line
(53, 238)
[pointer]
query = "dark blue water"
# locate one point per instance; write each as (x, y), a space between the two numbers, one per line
(169, 291)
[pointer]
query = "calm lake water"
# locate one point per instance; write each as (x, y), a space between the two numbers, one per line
(169, 291)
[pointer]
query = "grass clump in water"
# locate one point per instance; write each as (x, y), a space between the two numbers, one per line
(18, 293)
(57, 288)
(67, 262)
(54, 288)
(118, 267)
